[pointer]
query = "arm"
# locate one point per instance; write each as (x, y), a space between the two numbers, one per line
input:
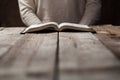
(91, 13)
(27, 12)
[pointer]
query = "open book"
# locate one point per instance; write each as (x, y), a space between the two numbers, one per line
(57, 27)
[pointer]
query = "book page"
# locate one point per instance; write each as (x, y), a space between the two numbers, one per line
(38, 27)
(74, 26)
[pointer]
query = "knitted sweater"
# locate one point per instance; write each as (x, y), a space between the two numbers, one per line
(74, 11)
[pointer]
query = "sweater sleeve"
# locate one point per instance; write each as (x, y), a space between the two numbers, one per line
(27, 12)
(91, 13)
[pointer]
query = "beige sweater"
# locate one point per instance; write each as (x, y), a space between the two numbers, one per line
(74, 11)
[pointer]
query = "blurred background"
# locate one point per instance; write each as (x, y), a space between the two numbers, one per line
(9, 13)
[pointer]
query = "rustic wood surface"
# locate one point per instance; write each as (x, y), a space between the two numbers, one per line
(27, 57)
(83, 56)
(60, 56)
(8, 37)
(110, 36)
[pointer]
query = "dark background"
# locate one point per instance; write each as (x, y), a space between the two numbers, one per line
(9, 13)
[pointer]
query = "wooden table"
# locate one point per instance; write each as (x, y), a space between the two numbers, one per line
(60, 56)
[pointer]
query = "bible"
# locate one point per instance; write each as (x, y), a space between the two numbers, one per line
(57, 27)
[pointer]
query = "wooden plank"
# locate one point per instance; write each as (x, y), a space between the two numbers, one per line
(107, 29)
(8, 37)
(111, 39)
(11, 30)
(31, 58)
(112, 42)
(43, 63)
(83, 57)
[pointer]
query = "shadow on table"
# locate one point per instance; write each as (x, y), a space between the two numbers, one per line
(53, 31)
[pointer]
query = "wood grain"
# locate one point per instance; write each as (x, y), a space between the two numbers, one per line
(32, 57)
(110, 37)
(60, 56)
(107, 29)
(83, 57)
(113, 43)
(8, 37)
